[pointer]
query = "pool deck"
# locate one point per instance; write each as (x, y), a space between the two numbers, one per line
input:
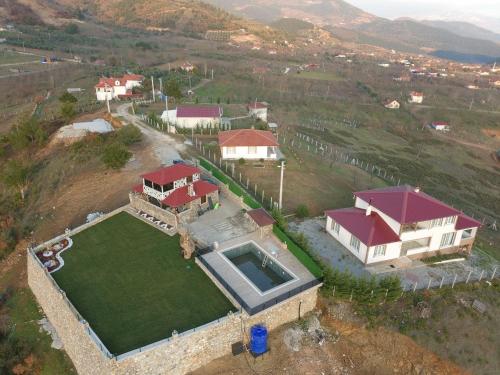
(242, 286)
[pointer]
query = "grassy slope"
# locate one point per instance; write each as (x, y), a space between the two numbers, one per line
(132, 285)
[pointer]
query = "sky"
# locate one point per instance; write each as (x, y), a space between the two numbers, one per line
(429, 8)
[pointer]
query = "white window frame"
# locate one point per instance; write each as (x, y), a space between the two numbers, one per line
(335, 227)
(252, 150)
(355, 243)
(379, 251)
(231, 150)
(437, 223)
(447, 239)
(449, 220)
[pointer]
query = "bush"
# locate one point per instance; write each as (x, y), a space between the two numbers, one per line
(72, 29)
(115, 156)
(27, 133)
(67, 98)
(241, 161)
(67, 111)
(301, 211)
(129, 135)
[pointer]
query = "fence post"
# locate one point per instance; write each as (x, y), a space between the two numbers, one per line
(441, 283)
(481, 276)
(350, 298)
(468, 277)
(454, 280)
(333, 293)
(386, 293)
(262, 196)
(430, 281)
(415, 286)
(493, 274)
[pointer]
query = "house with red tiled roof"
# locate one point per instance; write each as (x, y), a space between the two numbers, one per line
(258, 110)
(117, 87)
(401, 221)
(250, 144)
(416, 97)
(194, 116)
(178, 188)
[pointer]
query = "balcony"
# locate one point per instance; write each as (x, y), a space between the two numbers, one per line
(413, 245)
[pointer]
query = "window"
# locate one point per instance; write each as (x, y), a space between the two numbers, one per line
(447, 239)
(355, 244)
(230, 150)
(335, 227)
(148, 183)
(168, 187)
(203, 199)
(437, 223)
(252, 150)
(449, 220)
(189, 179)
(379, 251)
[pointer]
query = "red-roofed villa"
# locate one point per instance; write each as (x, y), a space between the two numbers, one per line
(401, 221)
(177, 189)
(258, 110)
(248, 144)
(118, 87)
(192, 116)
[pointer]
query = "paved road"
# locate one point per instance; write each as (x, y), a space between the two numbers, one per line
(165, 148)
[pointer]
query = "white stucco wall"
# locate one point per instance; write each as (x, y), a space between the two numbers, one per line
(192, 122)
(103, 95)
(243, 152)
(260, 113)
(344, 237)
(129, 85)
(395, 226)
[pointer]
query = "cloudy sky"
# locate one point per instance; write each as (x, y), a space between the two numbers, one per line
(429, 8)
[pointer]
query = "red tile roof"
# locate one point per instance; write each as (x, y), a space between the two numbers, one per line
(204, 111)
(439, 123)
(138, 188)
(466, 222)
(169, 174)
(371, 230)
(247, 137)
(261, 217)
(180, 196)
(133, 77)
(103, 82)
(405, 205)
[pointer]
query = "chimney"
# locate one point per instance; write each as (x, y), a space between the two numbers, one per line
(191, 190)
(369, 208)
(417, 189)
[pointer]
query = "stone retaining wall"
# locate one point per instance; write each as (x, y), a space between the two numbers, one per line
(177, 356)
(140, 204)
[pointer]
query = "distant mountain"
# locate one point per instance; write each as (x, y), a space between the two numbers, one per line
(464, 29)
(318, 12)
(292, 25)
(412, 36)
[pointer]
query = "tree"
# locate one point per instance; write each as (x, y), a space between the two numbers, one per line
(28, 132)
(302, 211)
(68, 111)
(129, 134)
(67, 98)
(72, 28)
(173, 89)
(116, 155)
(16, 175)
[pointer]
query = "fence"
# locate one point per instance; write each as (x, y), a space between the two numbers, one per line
(265, 305)
(325, 150)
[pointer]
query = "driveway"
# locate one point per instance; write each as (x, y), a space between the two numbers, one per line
(165, 147)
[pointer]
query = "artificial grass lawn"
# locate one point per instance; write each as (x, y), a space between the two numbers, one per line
(130, 282)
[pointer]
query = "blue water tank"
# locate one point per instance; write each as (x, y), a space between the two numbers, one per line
(258, 339)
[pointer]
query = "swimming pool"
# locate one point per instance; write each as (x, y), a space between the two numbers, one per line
(257, 267)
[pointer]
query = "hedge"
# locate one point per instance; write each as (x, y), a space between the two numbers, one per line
(299, 253)
(233, 186)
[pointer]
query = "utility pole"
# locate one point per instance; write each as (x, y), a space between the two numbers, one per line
(161, 85)
(107, 97)
(280, 206)
(153, 88)
(212, 74)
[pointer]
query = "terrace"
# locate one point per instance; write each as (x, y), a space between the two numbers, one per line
(129, 281)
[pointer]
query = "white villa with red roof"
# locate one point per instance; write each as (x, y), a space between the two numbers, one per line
(117, 87)
(416, 97)
(258, 110)
(389, 223)
(192, 116)
(178, 188)
(248, 144)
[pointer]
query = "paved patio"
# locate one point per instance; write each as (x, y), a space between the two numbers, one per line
(413, 273)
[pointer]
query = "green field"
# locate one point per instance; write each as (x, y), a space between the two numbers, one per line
(9, 57)
(322, 76)
(129, 281)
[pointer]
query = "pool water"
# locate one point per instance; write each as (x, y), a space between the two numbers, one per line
(248, 258)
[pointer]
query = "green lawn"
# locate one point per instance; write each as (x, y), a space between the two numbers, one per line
(129, 281)
(322, 76)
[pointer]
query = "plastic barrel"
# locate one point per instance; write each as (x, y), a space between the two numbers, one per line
(258, 339)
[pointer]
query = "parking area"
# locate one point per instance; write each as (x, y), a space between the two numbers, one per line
(415, 274)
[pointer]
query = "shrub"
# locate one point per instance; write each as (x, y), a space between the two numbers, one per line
(129, 134)
(67, 98)
(301, 211)
(241, 161)
(28, 132)
(115, 156)
(72, 29)
(68, 111)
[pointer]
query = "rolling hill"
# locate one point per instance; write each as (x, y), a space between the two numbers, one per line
(464, 29)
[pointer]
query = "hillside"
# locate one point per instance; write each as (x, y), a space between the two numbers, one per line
(320, 12)
(464, 29)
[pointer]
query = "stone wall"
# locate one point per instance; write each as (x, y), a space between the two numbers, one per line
(178, 355)
(140, 204)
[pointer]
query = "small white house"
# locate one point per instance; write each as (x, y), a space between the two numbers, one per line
(392, 104)
(440, 126)
(416, 97)
(390, 223)
(258, 110)
(117, 88)
(249, 144)
(192, 116)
